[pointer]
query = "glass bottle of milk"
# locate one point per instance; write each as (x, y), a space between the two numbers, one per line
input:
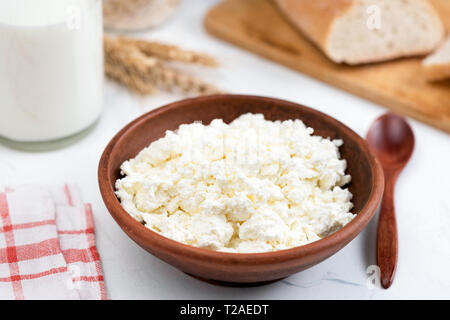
(51, 68)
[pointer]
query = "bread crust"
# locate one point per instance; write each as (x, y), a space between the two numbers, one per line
(314, 18)
(436, 72)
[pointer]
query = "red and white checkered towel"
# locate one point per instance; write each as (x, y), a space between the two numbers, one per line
(47, 245)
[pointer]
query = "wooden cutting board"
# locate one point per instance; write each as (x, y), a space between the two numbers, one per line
(258, 26)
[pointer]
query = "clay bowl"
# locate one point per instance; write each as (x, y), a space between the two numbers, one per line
(234, 268)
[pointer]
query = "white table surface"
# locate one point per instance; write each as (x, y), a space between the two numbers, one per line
(422, 193)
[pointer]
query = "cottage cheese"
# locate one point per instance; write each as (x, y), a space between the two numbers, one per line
(250, 186)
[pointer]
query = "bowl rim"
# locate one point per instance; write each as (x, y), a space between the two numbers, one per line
(142, 234)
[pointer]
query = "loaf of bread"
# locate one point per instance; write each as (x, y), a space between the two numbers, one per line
(364, 31)
(437, 65)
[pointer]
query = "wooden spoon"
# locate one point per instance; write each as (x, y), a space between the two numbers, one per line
(392, 139)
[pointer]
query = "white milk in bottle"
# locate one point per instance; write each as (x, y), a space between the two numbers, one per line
(51, 68)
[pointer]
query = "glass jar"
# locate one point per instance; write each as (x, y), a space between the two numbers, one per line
(133, 15)
(51, 68)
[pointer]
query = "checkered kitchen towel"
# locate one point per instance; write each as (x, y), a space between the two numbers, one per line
(47, 245)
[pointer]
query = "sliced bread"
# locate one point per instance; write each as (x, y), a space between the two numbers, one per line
(364, 31)
(437, 65)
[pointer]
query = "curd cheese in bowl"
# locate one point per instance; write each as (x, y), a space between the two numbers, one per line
(249, 186)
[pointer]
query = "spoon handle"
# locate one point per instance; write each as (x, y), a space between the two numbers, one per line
(387, 242)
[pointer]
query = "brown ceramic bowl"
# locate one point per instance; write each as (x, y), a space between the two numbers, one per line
(366, 187)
